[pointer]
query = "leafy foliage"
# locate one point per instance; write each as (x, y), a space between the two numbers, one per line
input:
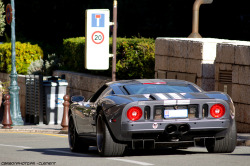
(135, 57)
(25, 54)
(2, 18)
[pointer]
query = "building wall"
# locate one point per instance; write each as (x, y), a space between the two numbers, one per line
(82, 84)
(233, 77)
(212, 64)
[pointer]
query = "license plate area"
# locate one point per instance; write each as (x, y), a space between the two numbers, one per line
(174, 112)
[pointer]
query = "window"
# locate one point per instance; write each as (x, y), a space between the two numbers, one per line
(153, 88)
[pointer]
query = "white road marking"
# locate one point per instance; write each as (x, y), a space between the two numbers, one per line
(24, 147)
(130, 161)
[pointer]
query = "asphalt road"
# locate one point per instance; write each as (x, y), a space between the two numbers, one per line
(48, 149)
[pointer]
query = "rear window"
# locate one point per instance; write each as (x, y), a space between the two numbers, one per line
(153, 88)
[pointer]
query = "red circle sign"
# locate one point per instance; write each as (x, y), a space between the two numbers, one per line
(9, 14)
(97, 37)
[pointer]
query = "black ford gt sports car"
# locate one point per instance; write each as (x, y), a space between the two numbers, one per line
(150, 113)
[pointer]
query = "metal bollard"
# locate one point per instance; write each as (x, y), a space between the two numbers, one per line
(7, 122)
(65, 120)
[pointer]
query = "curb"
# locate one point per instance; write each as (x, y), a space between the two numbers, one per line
(33, 131)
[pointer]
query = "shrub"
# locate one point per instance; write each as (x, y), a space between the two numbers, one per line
(2, 18)
(135, 57)
(25, 54)
(73, 54)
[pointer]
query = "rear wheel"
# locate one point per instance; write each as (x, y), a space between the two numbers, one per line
(75, 143)
(105, 144)
(224, 145)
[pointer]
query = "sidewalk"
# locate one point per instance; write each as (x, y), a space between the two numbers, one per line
(243, 139)
(50, 129)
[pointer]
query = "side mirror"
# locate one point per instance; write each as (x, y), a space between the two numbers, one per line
(77, 99)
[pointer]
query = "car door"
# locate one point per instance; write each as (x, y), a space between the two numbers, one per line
(85, 114)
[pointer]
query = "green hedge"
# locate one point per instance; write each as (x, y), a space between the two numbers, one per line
(25, 54)
(135, 57)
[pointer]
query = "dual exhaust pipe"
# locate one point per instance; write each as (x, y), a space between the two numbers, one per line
(177, 129)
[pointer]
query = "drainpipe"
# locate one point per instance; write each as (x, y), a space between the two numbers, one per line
(195, 23)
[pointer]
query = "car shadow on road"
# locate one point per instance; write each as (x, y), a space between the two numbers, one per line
(92, 152)
(64, 152)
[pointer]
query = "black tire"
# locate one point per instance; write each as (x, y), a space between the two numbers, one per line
(75, 143)
(105, 144)
(224, 145)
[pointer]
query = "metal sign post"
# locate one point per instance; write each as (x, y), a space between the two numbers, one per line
(14, 88)
(97, 39)
(114, 40)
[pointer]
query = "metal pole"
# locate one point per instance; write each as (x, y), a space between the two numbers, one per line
(114, 40)
(195, 20)
(14, 89)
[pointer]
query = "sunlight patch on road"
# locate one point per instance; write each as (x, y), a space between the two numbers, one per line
(54, 135)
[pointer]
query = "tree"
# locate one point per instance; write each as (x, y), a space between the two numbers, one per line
(2, 18)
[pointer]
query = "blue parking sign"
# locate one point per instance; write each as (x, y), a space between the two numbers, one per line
(98, 20)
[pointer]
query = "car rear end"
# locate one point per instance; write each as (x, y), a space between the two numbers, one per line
(174, 121)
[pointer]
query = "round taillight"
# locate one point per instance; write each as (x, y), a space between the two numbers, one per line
(134, 113)
(217, 110)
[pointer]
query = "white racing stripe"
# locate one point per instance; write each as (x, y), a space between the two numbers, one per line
(130, 161)
(161, 96)
(169, 102)
(23, 147)
(175, 95)
(183, 102)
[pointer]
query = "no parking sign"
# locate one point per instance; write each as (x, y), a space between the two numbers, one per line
(97, 39)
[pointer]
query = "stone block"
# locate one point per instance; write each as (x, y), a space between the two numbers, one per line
(224, 66)
(236, 93)
(177, 64)
(161, 62)
(194, 49)
(162, 74)
(178, 48)
(217, 70)
(241, 93)
(245, 94)
(242, 55)
(22, 90)
(244, 76)
(243, 127)
(181, 76)
(225, 53)
(235, 74)
(242, 113)
(194, 66)
(171, 75)
(216, 86)
(161, 46)
(191, 78)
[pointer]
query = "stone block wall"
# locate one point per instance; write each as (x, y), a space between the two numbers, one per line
(82, 84)
(186, 59)
(233, 77)
(78, 84)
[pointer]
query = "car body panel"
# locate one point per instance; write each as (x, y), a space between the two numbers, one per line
(113, 99)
